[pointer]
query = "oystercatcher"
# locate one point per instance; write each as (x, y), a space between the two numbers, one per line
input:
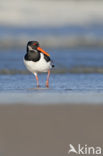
(37, 60)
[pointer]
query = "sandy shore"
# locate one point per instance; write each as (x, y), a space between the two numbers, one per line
(48, 130)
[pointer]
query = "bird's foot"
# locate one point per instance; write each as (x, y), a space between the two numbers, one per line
(47, 86)
(38, 86)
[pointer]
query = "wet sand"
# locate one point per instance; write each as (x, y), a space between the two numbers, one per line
(48, 130)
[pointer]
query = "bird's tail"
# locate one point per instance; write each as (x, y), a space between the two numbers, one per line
(53, 65)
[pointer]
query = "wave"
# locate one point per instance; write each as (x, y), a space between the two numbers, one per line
(73, 70)
(56, 41)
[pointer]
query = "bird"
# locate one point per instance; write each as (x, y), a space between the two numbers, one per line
(38, 60)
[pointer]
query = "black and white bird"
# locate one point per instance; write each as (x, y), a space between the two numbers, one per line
(37, 60)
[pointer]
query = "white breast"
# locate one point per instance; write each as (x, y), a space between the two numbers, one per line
(39, 66)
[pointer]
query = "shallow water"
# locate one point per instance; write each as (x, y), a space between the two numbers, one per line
(64, 88)
(16, 84)
(60, 83)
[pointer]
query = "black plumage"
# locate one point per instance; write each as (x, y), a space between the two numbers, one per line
(32, 55)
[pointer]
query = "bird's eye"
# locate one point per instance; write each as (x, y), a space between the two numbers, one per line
(34, 44)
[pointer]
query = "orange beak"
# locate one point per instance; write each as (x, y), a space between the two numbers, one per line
(41, 50)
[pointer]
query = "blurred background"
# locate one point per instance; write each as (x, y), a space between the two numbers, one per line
(66, 24)
(70, 30)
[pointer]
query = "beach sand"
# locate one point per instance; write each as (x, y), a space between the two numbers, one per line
(49, 129)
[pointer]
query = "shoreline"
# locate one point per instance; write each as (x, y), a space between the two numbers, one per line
(45, 97)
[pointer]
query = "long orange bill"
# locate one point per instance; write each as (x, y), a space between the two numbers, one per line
(40, 49)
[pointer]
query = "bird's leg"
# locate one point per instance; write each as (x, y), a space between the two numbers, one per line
(47, 81)
(37, 80)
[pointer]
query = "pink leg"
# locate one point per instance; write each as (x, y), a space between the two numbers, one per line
(47, 81)
(37, 80)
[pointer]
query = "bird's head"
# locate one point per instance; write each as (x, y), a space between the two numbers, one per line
(34, 45)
